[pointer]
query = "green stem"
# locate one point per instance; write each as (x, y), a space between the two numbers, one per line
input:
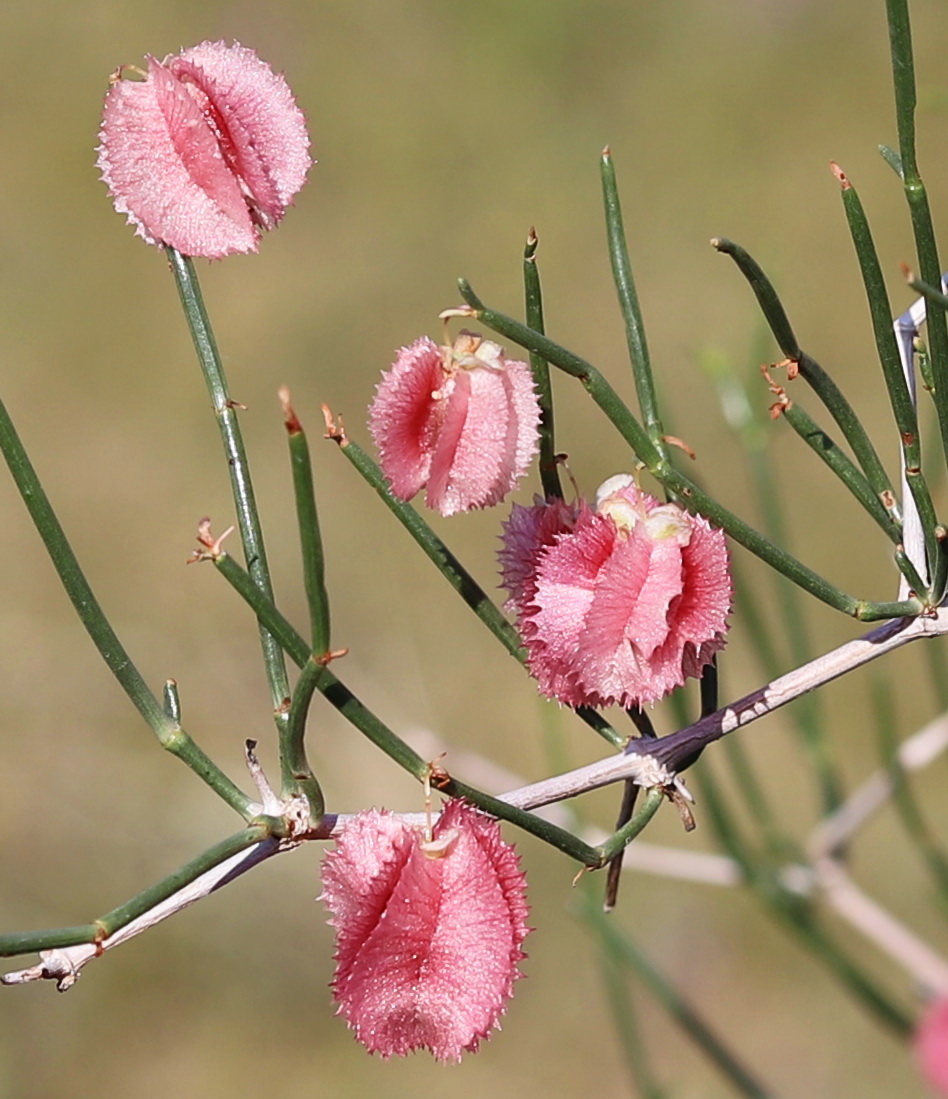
(930, 293)
(552, 834)
(676, 482)
(170, 735)
(846, 470)
(549, 466)
(903, 407)
(28, 942)
(457, 576)
(629, 304)
(903, 73)
(435, 550)
(625, 952)
(814, 374)
(810, 728)
(248, 519)
(307, 519)
(338, 695)
(296, 772)
(620, 840)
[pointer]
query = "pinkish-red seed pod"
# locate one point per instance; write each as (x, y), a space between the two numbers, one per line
(205, 152)
(428, 934)
(618, 604)
(461, 422)
(931, 1046)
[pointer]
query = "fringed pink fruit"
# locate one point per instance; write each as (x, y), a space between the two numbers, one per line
(620, 604)
(428, 934)
(931, 1046)
(461, 422)
(205, 152)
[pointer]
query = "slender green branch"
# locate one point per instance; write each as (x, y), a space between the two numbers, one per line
(880, 309)
(170, 735)
(456, 575)
(248, 519)
(552, 834)
(823, 385)
(184, 875)
(852, 477)
(863, 610)
(29, 942)
(903, 407)
(625, 952)
(593, 381)
(296, 772)
(339, 696)
(307, 518)
(549, 466)
(292, 642)
(598, 724)
(676, 482)
(435, 549)
(930, 293)
(629, 304)
(903, 73)
(811, 731)
(620, 840)
(297, 775)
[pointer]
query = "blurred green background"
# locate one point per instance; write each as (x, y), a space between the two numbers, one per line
(443, 131)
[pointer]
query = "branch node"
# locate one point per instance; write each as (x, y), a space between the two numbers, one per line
(210, 547)
(334, 431)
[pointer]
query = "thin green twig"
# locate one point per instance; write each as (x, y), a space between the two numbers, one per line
(824, 447)
(903, 74)
(621, 839)
(903, 407)
(434, 548)
(676, 482)
(629, 305)
(28, 942)
(296, 773)
(533, 296)
(339, 696)
(248, 519)
(806, 711)
(169, 733)
(307, 520)
(455, 573)
(814, 374)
